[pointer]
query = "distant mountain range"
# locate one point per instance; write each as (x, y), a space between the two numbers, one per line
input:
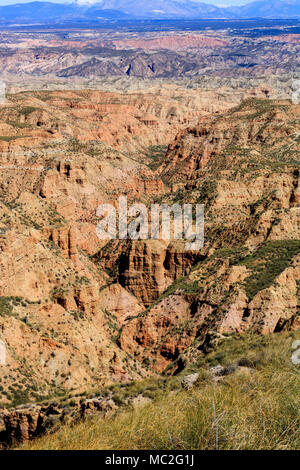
(103, 10)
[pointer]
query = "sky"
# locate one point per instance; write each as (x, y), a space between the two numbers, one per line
(212, 2)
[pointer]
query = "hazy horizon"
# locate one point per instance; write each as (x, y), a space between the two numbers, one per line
(219, 3)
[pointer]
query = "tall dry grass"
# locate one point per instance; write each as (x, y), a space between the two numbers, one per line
(256, 409)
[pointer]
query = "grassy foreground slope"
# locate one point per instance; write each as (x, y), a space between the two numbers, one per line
(256, 407)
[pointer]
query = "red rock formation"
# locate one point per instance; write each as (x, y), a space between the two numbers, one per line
(172, 42)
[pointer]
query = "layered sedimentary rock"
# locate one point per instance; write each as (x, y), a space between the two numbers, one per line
(146, 55)
(148, 268)
(243, 168)
(77, 312)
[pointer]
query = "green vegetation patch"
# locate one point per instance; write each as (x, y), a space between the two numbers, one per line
(154, 154)
(267, 263)
(261, 107)
(5, 138)
(27, 110)
(19, 125)
(5, 306)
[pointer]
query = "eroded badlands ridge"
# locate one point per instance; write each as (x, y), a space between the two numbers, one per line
(91, 54)
(77, 313)
(244, 166)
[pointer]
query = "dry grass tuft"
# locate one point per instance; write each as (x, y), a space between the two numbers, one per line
(256, 409)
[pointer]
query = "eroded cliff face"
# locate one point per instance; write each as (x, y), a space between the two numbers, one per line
(243, 168)
(179, 326)
(57, 333)
(77, 312)
(59, 329)
(146, 267)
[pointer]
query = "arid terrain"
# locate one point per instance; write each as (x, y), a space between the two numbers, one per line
(76, 57)
(169, 118)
